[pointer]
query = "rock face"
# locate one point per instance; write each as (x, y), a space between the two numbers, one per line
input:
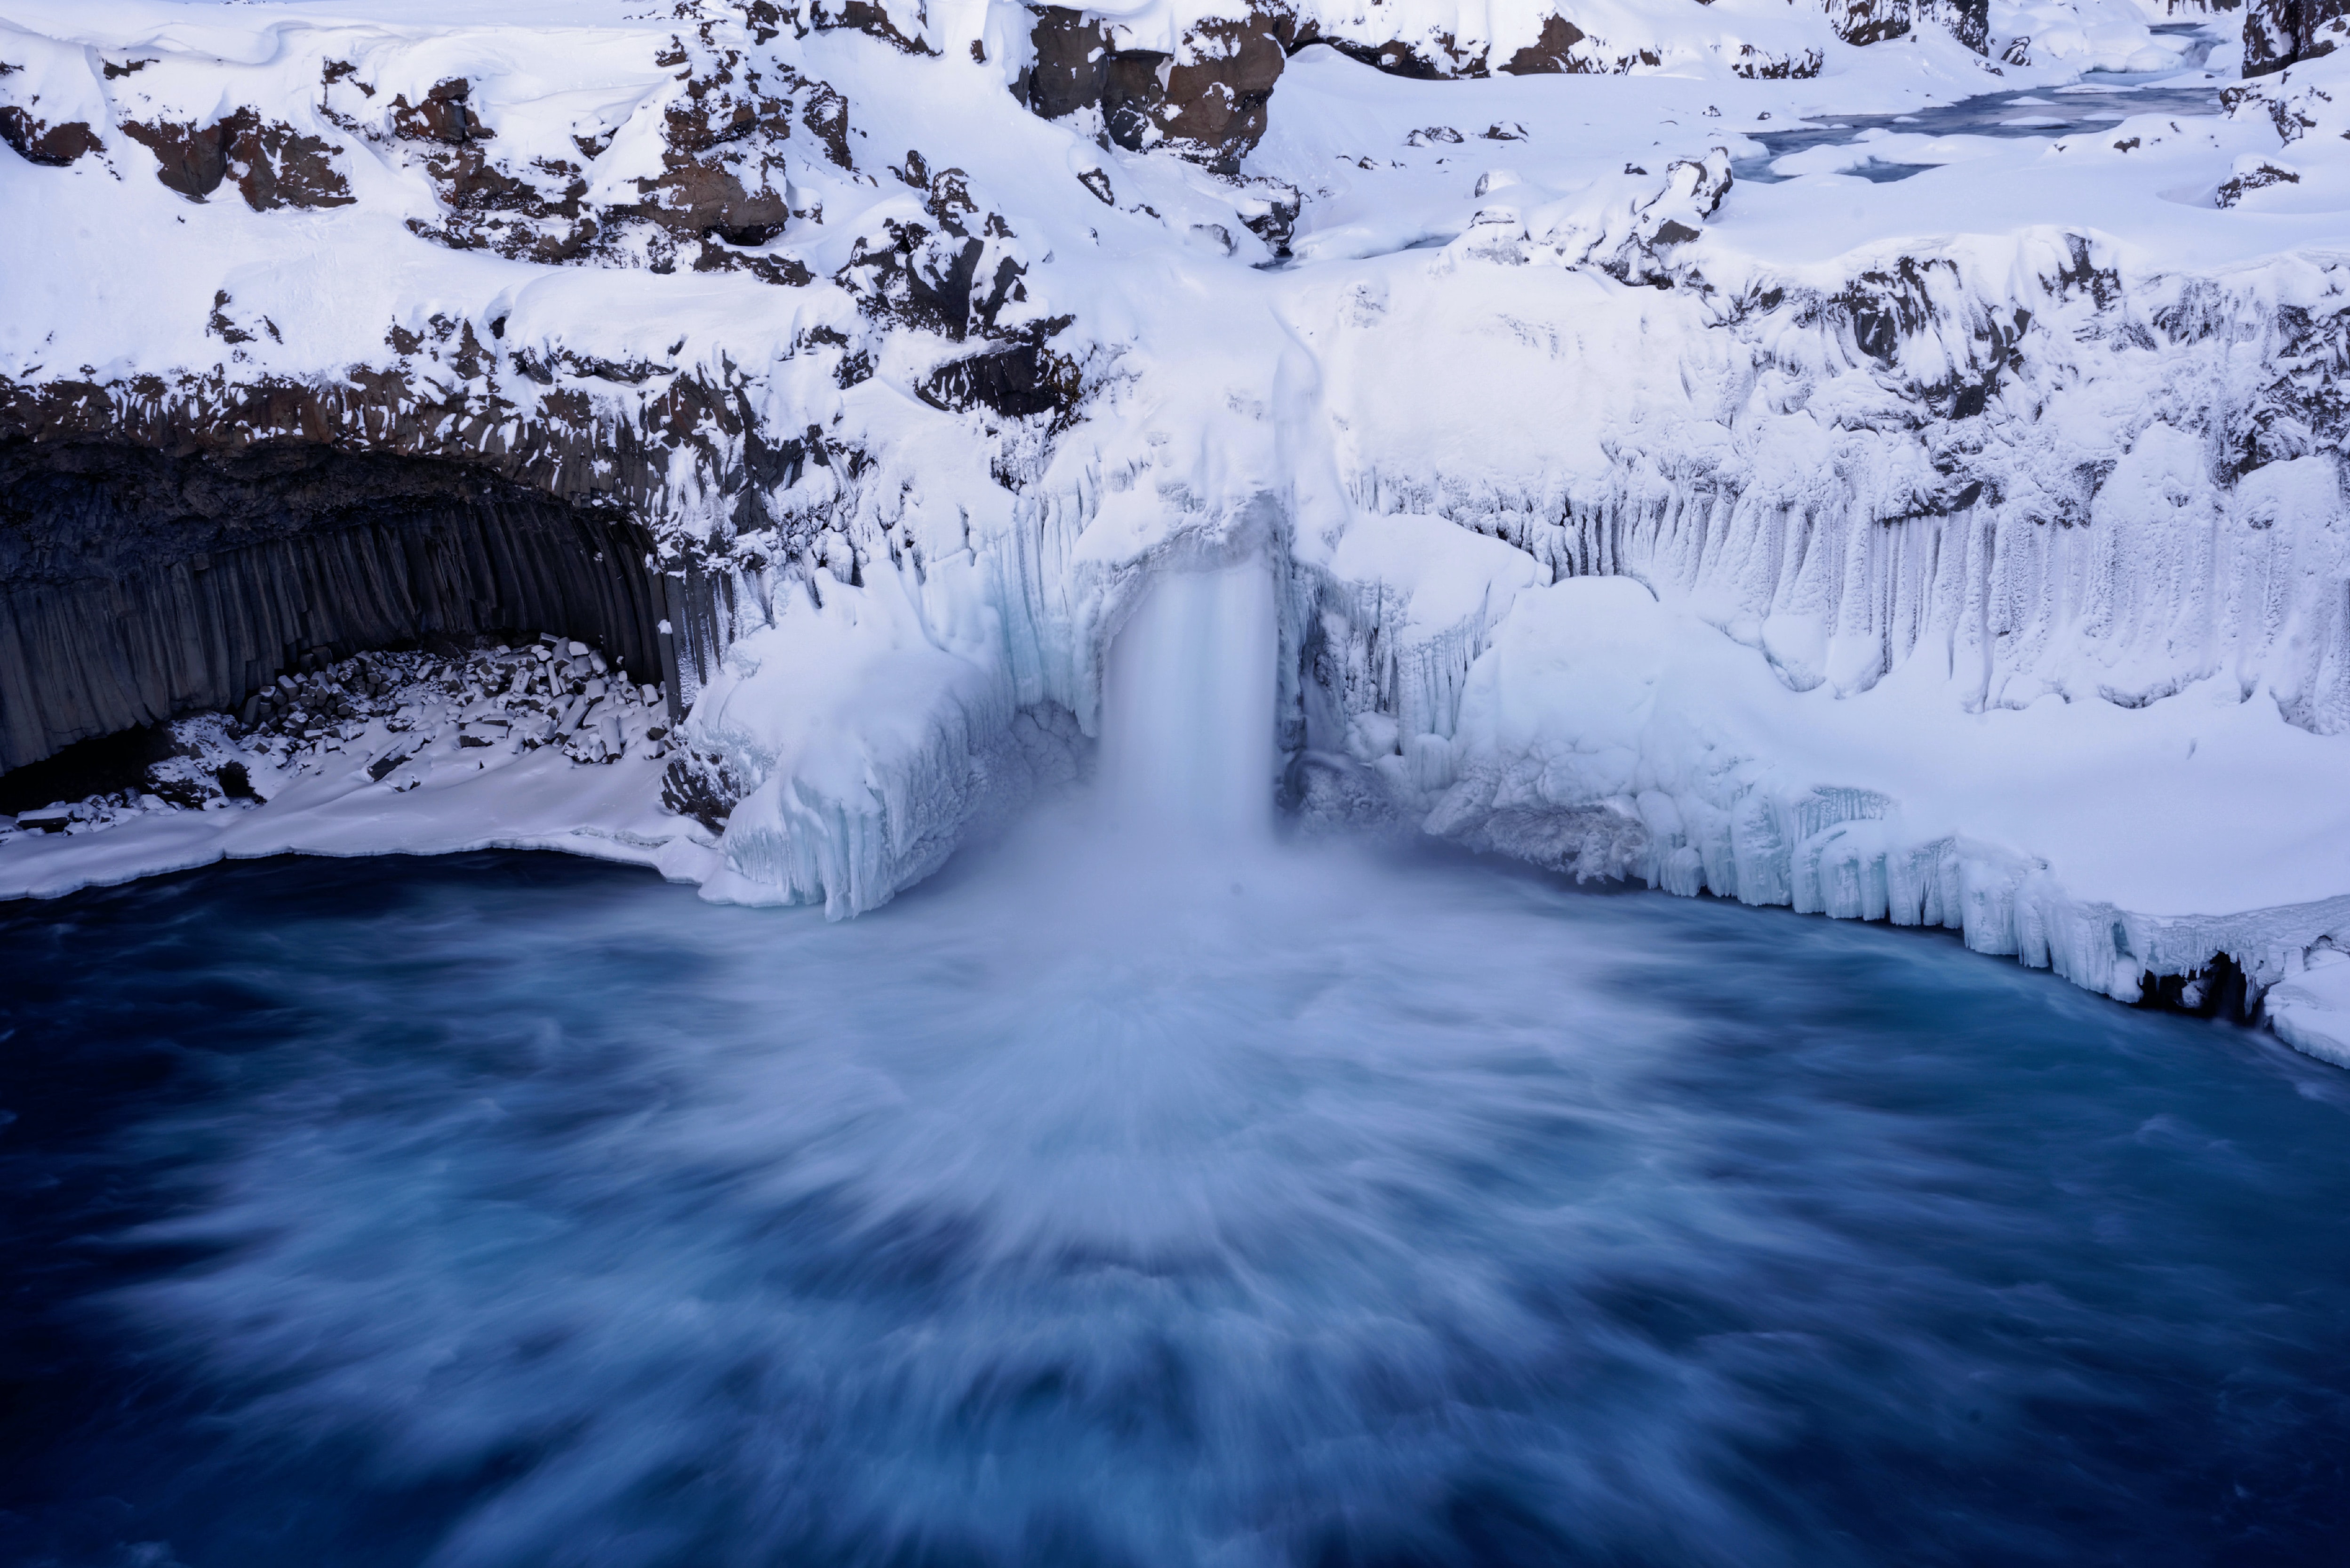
(141, 584)
(1206, 100)
(721, 183)
(37, 142)
(1867, 22)
(272, 164)
(2278, 33)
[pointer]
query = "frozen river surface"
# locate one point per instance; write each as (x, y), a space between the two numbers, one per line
(1299, 1209)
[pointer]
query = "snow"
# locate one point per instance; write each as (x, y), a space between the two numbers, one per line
(522, 748)
(2312, 1011)
(1593, 694)
(1965, 548)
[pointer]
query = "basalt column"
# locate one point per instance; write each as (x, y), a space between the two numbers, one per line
(136, 585)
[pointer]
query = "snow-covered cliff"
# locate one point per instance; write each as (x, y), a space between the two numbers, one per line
(1688, 449)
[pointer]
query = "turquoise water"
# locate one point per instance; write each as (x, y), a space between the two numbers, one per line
(1310, 1208)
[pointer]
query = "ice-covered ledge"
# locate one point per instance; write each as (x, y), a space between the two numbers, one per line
(1603, 731)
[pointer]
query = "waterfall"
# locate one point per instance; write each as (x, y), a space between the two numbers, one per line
(1187, 727)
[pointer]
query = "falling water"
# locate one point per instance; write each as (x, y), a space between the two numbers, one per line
(1186, 737)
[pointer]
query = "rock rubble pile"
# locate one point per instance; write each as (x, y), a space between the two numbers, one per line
(396, 718)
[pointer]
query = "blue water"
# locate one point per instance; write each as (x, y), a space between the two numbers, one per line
(1313, 1208)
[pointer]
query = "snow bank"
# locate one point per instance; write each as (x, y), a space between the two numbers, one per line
(2311, 1011)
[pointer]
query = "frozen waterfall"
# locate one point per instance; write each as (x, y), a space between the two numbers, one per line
(1187, 728)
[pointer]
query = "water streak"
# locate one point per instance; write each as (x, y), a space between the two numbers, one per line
(1186, 737)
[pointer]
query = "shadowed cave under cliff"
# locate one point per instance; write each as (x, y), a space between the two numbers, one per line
(136, 585)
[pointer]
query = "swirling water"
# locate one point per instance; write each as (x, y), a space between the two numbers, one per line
(1319, 1207)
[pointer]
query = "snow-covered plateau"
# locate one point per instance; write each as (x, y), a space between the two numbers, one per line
(1882, 457)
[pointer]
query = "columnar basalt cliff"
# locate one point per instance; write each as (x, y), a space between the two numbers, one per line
(141, 584)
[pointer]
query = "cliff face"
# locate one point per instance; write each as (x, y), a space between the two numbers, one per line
(141, 584)
(2281, 32)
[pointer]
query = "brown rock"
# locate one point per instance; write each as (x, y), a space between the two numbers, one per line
(443, 116)
(1207, 102)
(863, 16)
(1547, 54)
(274, 164)
(37, 142)
(704, 196)
(1214, 106)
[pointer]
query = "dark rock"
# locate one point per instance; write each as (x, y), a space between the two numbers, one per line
(136, 585)
(826, 114)
(2218, 990)
(445, 116)
(863, 16)
(2233, 189)
(704, 195)
(1270, 210)
(1549, 51)
(1206, 102)
(955, 280)
(1761, 66)
(1018, 383)
(786, 271)
(109, 765)
(274, 164)
(37, 142)
(1864, 22)
(721, 181)
(701, 786)
(1969, 21)
(2279, 33)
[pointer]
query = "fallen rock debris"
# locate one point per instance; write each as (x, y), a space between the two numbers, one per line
(393, 718)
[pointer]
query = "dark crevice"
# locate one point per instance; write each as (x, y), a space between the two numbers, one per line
(2218, 990)
(138, 585)
(107, 765)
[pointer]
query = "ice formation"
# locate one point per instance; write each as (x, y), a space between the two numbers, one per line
(1882, 458)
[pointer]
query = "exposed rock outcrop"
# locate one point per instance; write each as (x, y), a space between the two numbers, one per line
(273, 164)
(1206, 100)
(722, 180)
(36, 141)
(2278, 33)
